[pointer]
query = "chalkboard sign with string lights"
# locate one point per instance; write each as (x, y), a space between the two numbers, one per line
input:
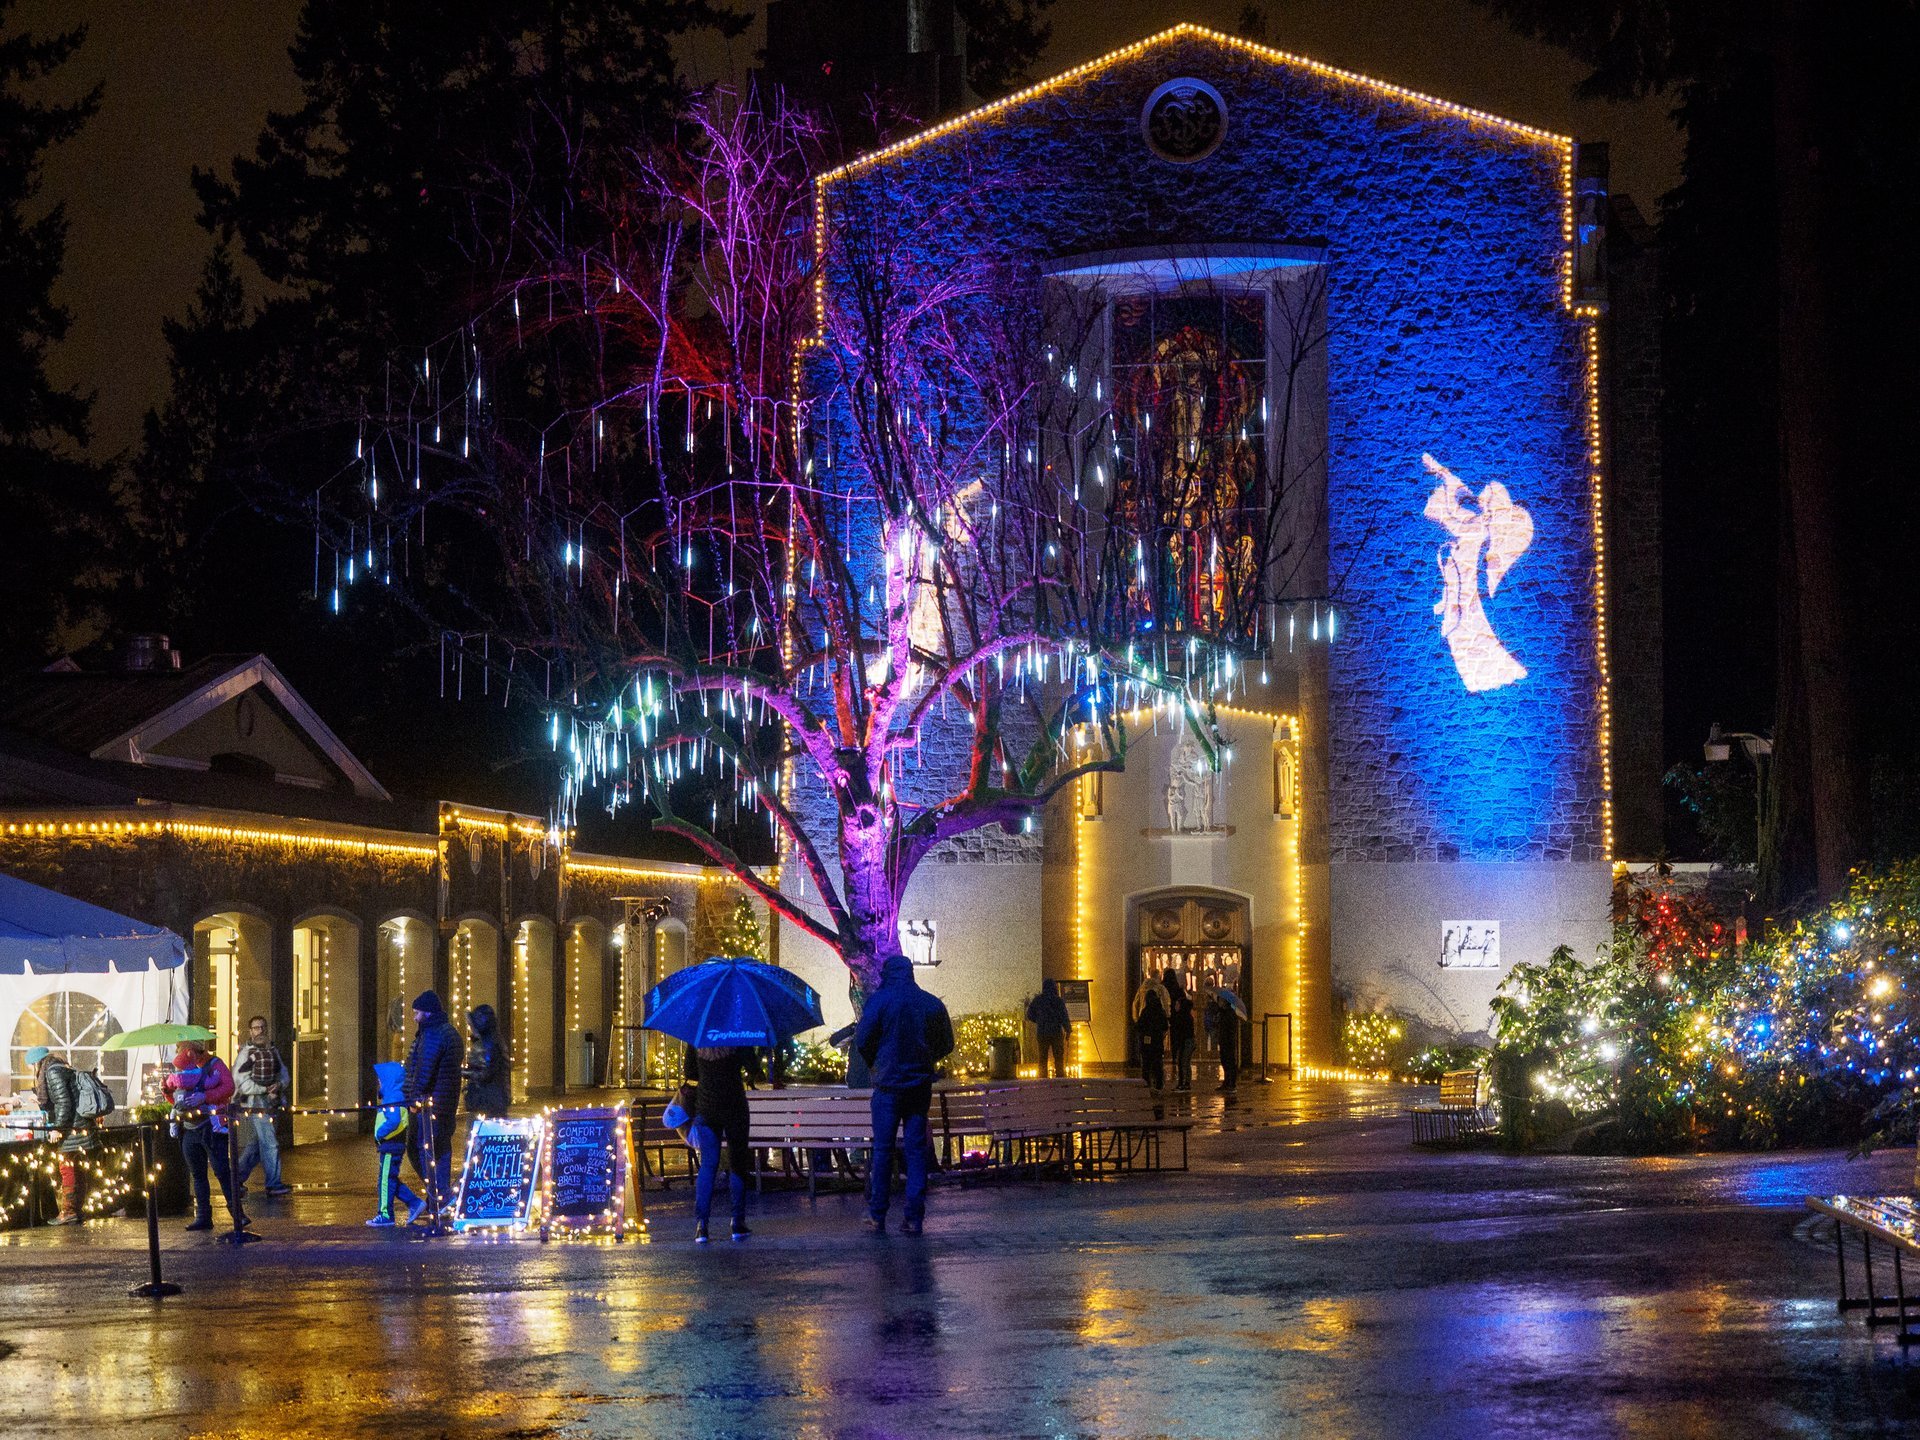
(587, 1185)
(499, 1187)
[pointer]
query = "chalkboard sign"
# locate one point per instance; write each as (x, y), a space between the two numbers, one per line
(587, 1168)
(499, 1182)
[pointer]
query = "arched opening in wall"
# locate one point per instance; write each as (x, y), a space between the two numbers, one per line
(325, 1052)
(402, 968)
(661, 1060)
(473, 969)
(586, 1003)
(532, 1037)
(1204, 937)
(232, 975)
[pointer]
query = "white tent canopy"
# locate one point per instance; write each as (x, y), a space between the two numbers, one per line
(73, 974)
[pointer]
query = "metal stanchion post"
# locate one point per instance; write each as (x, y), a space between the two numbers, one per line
(238, 1235)
(155, 1288)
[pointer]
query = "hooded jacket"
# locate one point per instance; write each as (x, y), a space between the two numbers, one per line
(433, 1071)
(59, 1094)
(392, 1120)
(904, 1032)
(487, 1074)
(1048, 1011)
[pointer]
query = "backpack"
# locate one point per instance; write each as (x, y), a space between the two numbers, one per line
(91, 1098)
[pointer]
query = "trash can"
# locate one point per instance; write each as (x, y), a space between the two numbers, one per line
(1004, 1061)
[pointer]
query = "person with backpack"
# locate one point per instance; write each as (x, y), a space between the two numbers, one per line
(1047, 1012)
(260, 1081)
(73, 1110)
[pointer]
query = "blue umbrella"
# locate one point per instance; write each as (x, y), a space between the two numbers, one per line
(732, 1001)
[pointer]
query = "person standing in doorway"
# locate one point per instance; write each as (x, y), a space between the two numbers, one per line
(260, 1081)
(1223, 1023)
(1047, 1013)
(1180, 1030)
(488, 1070)
(903, 1034)
(1150, 1030)
(56, 1084)
(432, 1085)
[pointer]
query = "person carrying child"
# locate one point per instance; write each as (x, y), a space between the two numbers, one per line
(390, 1126)
(201, 1085)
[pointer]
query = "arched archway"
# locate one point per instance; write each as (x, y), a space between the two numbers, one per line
(586, 959)
(232, 974)
(1203, 935)
(473, 968)
(532, 1031)
(325, 1051)
(402, 968)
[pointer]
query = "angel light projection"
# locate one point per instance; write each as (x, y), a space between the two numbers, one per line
(1492, 526)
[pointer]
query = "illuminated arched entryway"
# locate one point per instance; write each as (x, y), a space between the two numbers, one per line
(473, 968)
(586, 1002)
(232, 975)
(325, 1053)
(532, 1033)
(402, 967)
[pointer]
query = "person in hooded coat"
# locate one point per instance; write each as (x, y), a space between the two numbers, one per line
(57, 1086)
(904, 1033)
(1180, 1030)
(488, 1068)
(433, 1080)
(391, 1125)
(1150, 1027)
(1048, 1014)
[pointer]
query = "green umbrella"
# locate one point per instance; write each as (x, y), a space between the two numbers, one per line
(164, 1034)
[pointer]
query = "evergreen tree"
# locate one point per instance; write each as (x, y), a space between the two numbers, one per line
(53, 503)
(741, 934)
(381, 213)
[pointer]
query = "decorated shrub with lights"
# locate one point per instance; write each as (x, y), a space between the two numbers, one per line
(973, 1037)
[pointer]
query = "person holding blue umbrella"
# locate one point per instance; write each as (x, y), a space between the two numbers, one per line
(725, 1010)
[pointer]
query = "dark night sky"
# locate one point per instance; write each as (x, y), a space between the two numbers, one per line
(189, 82)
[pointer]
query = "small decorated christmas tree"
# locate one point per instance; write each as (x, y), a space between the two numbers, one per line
(741, 934)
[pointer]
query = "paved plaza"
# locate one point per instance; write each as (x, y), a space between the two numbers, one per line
(1312, 1275)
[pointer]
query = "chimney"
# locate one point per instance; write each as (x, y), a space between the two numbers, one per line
(145, 654)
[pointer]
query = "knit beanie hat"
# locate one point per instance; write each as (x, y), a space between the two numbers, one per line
(428, 1002)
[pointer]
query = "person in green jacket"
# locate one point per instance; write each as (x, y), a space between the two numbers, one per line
(58, 1089)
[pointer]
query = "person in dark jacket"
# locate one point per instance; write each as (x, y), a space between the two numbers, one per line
(1223, 1023)
(720, 1075)
(433, 1079)
(57, 1087)
(1180, 1030)
(904, 1033)
(1048, 1014)
(488, 1068)
(1150, 1026)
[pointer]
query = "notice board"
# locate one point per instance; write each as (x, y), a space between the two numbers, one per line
(1077, 996)
(500, 1181)
(586, 1179)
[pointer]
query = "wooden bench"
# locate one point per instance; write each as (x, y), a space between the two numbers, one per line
(657, 1151)
(1891, 1222)
(801, 1124)
(1458, 1113)
(1120, 1126)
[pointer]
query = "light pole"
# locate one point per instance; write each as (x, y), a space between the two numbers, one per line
(1758, 750)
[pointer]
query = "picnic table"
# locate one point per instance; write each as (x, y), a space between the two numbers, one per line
(1892, 1224)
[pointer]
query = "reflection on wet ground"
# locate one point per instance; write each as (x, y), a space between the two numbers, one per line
(1313, 1276)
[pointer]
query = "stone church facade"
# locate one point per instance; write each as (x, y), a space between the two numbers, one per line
(1416, 789)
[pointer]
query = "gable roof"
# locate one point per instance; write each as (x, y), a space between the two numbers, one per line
(123, 716)
(1188, 31)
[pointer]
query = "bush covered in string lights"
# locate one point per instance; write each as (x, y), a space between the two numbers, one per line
(973, 1037)
(815, 1062)
(1676, 1037)
(1372, 1039)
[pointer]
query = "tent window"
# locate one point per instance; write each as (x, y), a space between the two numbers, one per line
(74, 1025)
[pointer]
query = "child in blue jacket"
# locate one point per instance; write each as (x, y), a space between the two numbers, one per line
(390, 1127)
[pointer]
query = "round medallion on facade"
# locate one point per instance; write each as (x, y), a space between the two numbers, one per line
(1165, 923)
(1216, 925)
(1184, 120)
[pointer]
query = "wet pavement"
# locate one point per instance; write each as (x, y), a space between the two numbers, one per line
(1313, 1275)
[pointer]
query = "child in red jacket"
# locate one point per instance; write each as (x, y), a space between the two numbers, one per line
(201, 1085)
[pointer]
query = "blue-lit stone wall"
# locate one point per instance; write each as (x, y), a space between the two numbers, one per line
(1447, 335)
